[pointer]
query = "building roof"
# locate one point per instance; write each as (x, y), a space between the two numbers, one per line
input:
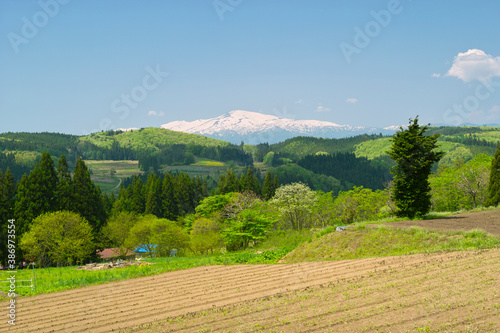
(112, 253)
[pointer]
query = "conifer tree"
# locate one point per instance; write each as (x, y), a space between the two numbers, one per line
(88, 200)
(249, 182)
(184, 194)
(228, 183)
(414, 154)
(276, 184)
(268, 187)
(37, 193)
(65, 188)
(170, 208)
(7, 194)
(153, 195)
(494, 184)
(137, 203)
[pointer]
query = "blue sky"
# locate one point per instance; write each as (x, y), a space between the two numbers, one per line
(80, 66)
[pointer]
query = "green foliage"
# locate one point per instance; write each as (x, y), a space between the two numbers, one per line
(295, 203)
(168, 236)
(150, 139)
(362, 204)
(60, 238)
(205, 235)
(462, 186)
(250, 182)
(372, 149)
(494, 181)
(248, 226)
(268, 159)
(269, 187)
(414, 154)
(302, 146)
(153, 196)
(348, 167)
(386, 241)
(117, 231)
(7, 196)
(157, 236)
(293, 173)
(454, 152)
(36, 193)
(173, 196)
(141, 234)
(228, 183)
(213, 204)
(88, 199)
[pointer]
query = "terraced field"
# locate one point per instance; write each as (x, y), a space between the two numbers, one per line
(451, 292)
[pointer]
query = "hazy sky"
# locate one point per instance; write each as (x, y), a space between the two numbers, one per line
(80, 66)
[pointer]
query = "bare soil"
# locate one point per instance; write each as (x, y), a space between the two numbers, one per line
(487, 220)
(451, 292)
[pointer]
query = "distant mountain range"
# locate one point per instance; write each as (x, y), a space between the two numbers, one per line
(255, 128)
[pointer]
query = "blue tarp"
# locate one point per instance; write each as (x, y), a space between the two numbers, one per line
(142, 248)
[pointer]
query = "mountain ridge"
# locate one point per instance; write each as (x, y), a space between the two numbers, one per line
(254, 128)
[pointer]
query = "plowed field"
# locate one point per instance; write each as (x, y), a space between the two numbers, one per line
(457, 291)
(487, 220)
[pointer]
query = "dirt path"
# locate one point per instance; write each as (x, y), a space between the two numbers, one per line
(487, 220)
(125, 304)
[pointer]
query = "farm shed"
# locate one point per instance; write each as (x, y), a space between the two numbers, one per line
(113, 254)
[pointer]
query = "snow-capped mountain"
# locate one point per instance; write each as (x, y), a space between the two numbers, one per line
(254, 128)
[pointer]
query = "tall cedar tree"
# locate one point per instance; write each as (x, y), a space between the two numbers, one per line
(184, 194)
(494, 184)
(138, 203)
(414, 154)
(270, 186)
(267, 188)
(36, 194)
(88, 200)
(7, 194)
(228, 183)
(170, 207)
(250, 182)
(153, 196)
(65, 189)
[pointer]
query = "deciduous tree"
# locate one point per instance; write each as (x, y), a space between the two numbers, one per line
(295, 203)
(58, 238)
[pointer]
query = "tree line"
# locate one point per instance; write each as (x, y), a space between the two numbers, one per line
(348, 168)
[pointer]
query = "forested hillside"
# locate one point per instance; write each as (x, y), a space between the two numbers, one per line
(246, 191)
(298, 159)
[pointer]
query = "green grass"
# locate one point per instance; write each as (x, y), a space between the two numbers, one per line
(102, 177)
(206, 162)
(54, 279)
(360, 241)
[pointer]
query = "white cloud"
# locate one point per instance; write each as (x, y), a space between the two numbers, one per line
(154, 113)
(485, 117)
(352, 100)
(300, 101)
(321, 108)
(475, 65)
(436, 75)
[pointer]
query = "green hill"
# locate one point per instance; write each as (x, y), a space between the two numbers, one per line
(150, 139)
(358, 241)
